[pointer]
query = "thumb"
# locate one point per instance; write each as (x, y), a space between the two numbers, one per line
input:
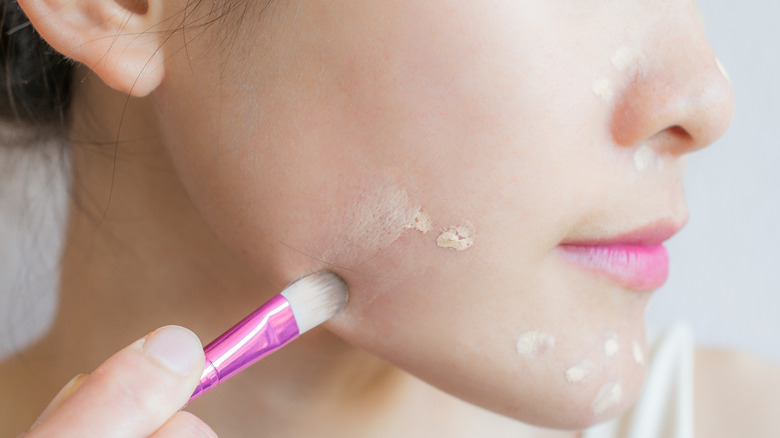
(134, 392)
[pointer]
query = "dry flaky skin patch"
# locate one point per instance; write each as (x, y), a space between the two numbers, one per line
(457, 238)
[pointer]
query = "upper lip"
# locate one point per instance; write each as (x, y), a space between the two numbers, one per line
(653, 233)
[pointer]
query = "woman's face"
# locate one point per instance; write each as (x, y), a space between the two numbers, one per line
(436, 155)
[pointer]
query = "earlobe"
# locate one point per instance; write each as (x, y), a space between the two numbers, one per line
(120, 40)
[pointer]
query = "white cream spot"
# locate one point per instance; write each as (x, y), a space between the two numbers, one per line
(639, 357)
(625, 57)
(532, 344)
(722, 69)
(603, 89)
(578, 373)
(421, 222)
(611, 345)
(644, 157)
(608, 397)
(457, 238)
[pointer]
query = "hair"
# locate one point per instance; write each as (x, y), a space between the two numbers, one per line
(36, 79)
(37, 87)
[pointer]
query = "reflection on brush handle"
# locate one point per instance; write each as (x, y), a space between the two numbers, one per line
(264, 331)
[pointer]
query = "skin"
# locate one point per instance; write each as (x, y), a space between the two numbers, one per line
(265, 146)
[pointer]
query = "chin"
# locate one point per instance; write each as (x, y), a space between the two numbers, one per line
(545, 401)
(479, 362)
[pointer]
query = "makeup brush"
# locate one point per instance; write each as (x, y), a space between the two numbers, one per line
(302, 305)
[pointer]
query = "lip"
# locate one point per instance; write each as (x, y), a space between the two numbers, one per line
(636, 259)
(654, 233)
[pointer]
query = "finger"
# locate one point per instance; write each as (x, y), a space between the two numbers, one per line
(184, 425)
(134, 392)
(61, 396)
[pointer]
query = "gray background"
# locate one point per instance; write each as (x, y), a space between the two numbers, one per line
(724, 271)
(725, 264)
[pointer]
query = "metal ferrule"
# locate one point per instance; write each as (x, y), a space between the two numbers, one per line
(261, 333)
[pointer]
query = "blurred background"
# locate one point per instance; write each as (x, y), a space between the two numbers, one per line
(725, 263)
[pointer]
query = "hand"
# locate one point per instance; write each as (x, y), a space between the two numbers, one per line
(135, 393)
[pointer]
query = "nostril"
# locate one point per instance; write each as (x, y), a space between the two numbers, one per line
(136, 6)
(673, 137)
(682, 106)
(680, 132)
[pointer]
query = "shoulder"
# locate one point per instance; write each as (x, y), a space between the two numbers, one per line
(735, 395)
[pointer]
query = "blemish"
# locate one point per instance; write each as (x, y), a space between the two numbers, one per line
(532, 344)
(611, 345)
(608, 397)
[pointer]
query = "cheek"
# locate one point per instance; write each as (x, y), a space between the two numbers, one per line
(416, 188)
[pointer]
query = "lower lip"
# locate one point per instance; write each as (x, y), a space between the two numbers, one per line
(642, 268)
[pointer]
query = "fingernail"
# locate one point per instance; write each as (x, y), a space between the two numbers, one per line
(176, 348)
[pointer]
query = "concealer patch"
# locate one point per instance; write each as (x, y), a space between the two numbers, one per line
(532, 344)
(659, 163)
(639, 357)
(722, 70)
(421, 222)
(458, 238)
(611, 345)
(625, 57)
(579, 373)
(603, 89)
(378, 216)
(645, 157)
(381, 217)
(608, 397)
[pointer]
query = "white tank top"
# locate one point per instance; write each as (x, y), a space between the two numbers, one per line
(665, 406)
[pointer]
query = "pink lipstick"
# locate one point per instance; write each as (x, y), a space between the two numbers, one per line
(642, 268)
(636, 260)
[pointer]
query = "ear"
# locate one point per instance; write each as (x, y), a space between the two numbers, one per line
(120, 40)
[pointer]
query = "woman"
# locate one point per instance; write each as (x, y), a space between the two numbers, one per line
(493, 180)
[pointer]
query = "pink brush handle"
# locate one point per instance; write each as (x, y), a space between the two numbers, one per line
(261, 333)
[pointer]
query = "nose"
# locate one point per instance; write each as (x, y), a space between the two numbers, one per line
(679, 99)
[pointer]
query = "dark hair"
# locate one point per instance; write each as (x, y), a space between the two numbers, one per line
(36, 79)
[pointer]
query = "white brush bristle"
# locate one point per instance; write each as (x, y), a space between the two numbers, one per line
(315, 298)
